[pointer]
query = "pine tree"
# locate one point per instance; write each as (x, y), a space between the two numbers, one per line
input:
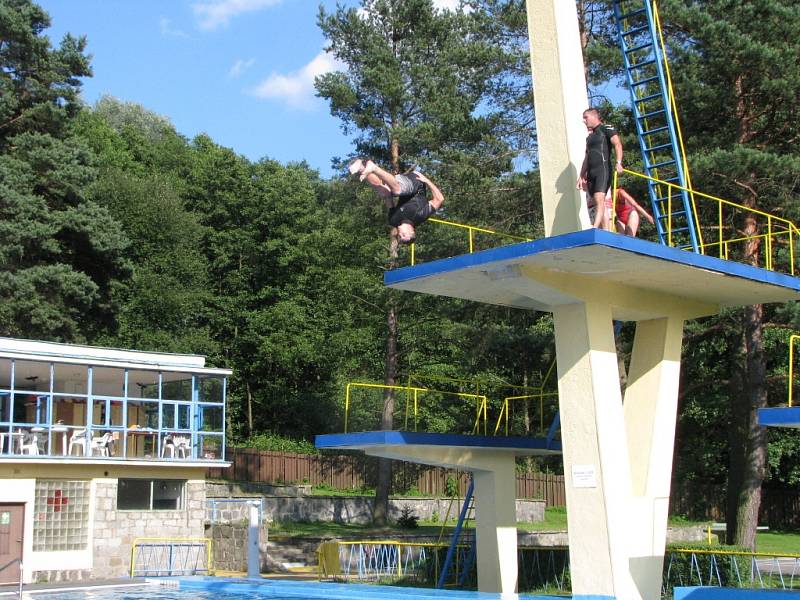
(61, 254)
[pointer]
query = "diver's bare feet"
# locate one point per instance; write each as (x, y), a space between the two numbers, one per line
(356, 166)
(369, 167)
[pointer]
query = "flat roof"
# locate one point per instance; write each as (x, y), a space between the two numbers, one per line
(784, 416)
(553, 271)
(376, 440)
(96, 355)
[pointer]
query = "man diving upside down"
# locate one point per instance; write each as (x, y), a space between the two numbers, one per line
(405, 195)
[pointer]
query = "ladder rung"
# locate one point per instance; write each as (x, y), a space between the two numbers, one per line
(634, 13)
(642, 64)
(650, 97)
(657, 148)
(653, 113)
(639, 47)
(643, 81)
(663, 164)
(635, 30)
(656, 130)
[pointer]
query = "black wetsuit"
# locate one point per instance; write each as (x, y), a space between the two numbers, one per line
(599, 171)
(412, 206)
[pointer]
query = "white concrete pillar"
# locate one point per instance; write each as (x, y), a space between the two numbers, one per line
(496, 527)
(650, 408)
(596, 469)
(559, 100)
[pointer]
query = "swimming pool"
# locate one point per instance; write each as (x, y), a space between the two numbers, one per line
(208, 588)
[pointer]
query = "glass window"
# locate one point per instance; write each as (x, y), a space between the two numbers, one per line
(210, 389)
(168, 415)
(106, 412)
(211, 447)
(143, 414)
(211, 418)
(177, 386)
(61, 515)
(108, 382)
(70, 379)
(30, 408)
(150, 494)
(143, 384)
(133, 494)
(32, 375)
(5, 373)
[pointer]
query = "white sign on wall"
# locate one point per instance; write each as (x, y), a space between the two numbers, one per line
(583, 476)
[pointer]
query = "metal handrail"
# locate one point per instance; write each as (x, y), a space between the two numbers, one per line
(412, 399)
(21, 573)
(471, 230)
(776, 226)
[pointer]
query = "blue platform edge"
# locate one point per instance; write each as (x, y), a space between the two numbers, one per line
(721, 593)
(783, 416)
(408, 438)
(343, 591)
(590, 237)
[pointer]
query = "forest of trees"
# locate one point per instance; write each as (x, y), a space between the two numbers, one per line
(116, 230)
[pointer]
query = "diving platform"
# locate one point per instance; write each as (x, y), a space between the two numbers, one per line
(782, 416)
(644, 280)
(490, 459)
(399, 445)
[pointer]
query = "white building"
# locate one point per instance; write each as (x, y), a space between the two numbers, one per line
(99, 447)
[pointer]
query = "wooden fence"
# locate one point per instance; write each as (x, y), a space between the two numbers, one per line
(358, 472)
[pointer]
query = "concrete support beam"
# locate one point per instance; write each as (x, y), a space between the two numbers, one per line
(617, 459)
(559, 101)
(494, 473)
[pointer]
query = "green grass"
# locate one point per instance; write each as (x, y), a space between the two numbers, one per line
(778, 542)
(555, 519)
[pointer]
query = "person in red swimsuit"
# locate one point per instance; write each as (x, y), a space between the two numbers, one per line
(627, 211)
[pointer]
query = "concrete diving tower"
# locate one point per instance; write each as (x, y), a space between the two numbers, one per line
(617, 455)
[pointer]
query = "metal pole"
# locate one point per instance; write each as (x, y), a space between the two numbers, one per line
(253, 563)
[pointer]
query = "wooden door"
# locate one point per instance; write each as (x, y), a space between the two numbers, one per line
(11, 528)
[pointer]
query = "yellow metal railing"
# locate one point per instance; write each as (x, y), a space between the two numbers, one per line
(791, 365)
(778, 229)
(412, 403)
(471, 231)
(539, 393)
(170, 556)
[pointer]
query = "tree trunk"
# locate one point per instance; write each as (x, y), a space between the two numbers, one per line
(249, 409)
(383, 486)
(748, 439)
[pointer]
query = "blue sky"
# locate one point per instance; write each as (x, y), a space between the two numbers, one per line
(239, 70)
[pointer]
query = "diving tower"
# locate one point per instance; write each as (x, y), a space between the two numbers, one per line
(617, 451)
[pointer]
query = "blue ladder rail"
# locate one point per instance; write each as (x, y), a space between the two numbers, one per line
(451, 551)
(656, 125)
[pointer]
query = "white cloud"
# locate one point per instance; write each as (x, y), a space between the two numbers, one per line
(450, 5)
(240, 66)
(445, 4)
(166, 28)
(297, 89)
(212, 14)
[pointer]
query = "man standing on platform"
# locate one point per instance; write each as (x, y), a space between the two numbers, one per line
(596, 172)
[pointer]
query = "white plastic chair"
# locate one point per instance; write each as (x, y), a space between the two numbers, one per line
(183, 445)
(100, 444)
(78, 438)
(33, 444)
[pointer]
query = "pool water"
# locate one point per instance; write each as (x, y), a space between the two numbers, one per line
(213, 588)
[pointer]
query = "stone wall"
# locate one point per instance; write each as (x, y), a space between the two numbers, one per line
(229, 543)
(348, 510)
(114, 531)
